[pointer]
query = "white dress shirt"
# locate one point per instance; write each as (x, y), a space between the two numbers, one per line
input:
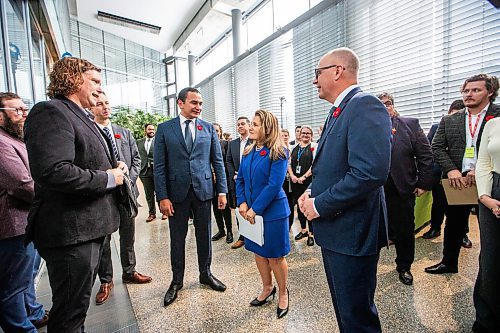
(469, 163)
(192, 126)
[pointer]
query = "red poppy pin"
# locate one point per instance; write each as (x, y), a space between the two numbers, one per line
(118, 136)
(199, 127)
(263, 153)
(337, 112)
(312, 149)
(489, 118)
(393, 131)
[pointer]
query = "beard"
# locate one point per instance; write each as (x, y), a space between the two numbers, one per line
(14, 129)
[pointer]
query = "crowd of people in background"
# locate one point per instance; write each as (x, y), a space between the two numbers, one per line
(353, 188)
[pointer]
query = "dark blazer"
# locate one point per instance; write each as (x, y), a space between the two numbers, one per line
(68, 160)
(146, 158)
(260, 185)
(16, 186)
(411, 156)
(175, 169)
(437, 173)
(233, 165)
(448, 145)
(349, 171)
(127, 148)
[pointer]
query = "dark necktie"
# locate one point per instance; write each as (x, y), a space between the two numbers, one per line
(112, 140)
(188, 136)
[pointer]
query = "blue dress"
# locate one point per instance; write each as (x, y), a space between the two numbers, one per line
(260, 185)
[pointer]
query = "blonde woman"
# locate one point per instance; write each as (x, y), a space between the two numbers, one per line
(259, 191)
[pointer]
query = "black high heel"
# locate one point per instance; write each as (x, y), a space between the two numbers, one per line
(256, 301)
(282, 312)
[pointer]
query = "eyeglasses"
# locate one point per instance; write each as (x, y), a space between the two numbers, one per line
(19, 111)
(317, 71)
(306, 133)
(388, 103)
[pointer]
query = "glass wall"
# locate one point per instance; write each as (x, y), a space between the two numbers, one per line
(134, 76)
(420, 51)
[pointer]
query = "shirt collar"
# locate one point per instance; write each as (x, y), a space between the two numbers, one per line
(183, 119)
(343, 94)
(484, 110)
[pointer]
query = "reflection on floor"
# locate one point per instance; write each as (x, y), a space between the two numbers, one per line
(432, 304)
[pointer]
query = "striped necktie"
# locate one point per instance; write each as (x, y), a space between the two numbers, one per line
(112, 140)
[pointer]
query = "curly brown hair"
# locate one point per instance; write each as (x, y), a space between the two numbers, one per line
(66, 76)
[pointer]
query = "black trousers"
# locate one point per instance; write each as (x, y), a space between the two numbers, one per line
(72, 272)
(401, 218)
(487, 288)
(149, 190)
(127, 253)
(222, 216)
(439, 204)
(178, 231)
(457, 219)
(297, 191)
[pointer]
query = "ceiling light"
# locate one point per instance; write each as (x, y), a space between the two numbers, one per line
(126, 22)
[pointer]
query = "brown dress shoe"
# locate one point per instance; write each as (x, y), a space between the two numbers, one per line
(42, 321)
(103, 293)
(136, 277)
(151, 217)
(239, 243)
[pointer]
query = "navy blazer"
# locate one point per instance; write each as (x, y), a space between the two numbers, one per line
(351, 166)
(411, 156)
(175, 169)
(260, 185)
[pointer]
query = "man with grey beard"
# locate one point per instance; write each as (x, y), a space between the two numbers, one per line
(19, 310)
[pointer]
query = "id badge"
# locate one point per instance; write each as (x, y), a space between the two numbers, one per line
(297, 169)
(470, 152)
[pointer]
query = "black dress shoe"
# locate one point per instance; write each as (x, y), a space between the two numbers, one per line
(256, 301)
(282, 312)
(405, 277)
(441, 269)
(310, 241)
(171, 293)
(218, 235)
(229, 237)
(432, 233)
(466, 243)
(213, 283)
(301, 235)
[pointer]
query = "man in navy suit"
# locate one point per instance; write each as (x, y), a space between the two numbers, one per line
(346, 197)
(186, 149)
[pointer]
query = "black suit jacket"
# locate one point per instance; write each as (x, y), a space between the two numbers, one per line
(146, 158)
(68, 160)
(448, 145)
(411, 156)
(232, 166)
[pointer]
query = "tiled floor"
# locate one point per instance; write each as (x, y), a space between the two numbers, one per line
(432, 304)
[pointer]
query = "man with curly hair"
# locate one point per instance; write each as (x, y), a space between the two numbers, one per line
(76, 175)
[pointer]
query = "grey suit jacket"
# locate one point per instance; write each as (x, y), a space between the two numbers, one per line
(448, 145)
(127, 148)
(146, 158)
(175, 169)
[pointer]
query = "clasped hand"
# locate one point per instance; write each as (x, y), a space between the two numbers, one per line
(306, 205)
(457, 181)
(248, 214)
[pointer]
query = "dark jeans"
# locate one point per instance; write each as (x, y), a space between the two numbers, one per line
(487, 288)
(33, 308)
(16, 277)
(127, 253)
(178, 231)
(149, 190)
(72, 271)
(401, 218)
(222, 216)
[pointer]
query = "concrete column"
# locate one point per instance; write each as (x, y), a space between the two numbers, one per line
(191, 69)
(236, 16)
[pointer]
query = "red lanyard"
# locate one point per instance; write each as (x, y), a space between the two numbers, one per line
(472, 132)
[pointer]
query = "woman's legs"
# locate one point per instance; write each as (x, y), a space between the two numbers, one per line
(264, 268)
(280, 270)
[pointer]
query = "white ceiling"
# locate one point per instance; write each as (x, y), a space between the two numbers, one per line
(173, 16)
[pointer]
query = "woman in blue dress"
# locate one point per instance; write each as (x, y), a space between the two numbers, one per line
(259, 191)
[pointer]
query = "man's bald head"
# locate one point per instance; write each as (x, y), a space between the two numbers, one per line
(346, 57)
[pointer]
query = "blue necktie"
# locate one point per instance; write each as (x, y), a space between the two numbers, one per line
(112, 140)
(188, 137)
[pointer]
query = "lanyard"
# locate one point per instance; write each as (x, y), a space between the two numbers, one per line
(300, 152)
(473, 132)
